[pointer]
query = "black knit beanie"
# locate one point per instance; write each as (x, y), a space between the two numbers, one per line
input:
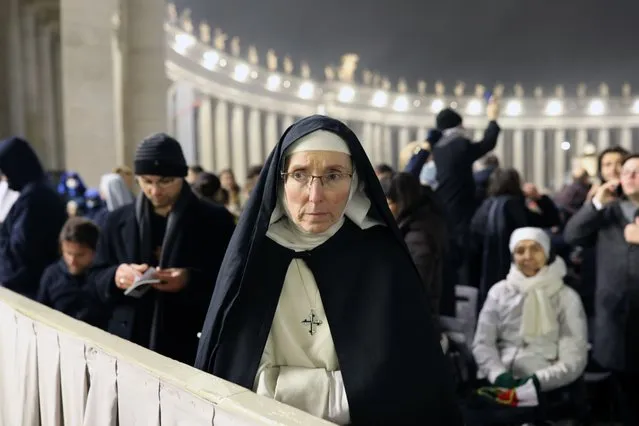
(447, 119)
(160, 155)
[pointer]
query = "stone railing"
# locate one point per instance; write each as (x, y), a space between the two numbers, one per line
(55, 370)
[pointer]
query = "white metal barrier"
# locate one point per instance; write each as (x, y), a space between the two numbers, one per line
(55, 371)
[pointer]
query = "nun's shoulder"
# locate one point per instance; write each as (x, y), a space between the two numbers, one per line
(379, 241)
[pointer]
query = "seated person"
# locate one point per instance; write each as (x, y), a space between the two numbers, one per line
(532, 332)
(64, 285)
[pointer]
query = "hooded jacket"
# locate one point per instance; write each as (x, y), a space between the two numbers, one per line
(29, 234)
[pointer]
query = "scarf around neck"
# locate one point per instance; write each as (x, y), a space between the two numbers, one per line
(539, 317)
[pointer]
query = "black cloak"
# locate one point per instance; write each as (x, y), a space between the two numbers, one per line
(29, 234)
(389, 354)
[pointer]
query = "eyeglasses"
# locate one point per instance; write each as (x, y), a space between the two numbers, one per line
(328, 181)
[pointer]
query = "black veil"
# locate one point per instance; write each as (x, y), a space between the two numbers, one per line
(236, 326)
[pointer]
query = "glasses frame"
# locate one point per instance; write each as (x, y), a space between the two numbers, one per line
(285, 175)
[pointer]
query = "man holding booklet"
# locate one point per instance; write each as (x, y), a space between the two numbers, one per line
(157, 259)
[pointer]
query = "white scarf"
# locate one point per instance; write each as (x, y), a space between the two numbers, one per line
(539, 317)
(284, 232)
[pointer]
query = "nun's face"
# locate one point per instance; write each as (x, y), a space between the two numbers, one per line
(529, 256)
(316, 188)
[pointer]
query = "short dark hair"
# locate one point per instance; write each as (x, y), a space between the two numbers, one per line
(384, 168)
(197, 169)
(612, 150)
(504, 182)
(629, 157)
(206, 185)
(489, 161)
(80, 230)
(402, 189)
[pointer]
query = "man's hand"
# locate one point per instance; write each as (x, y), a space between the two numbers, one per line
(631, 232)
(492, 110)
(531, 191)
(172, 280)
(126, 274)
(606, 193)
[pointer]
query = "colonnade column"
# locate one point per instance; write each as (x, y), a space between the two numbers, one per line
(560, 163)
(113, 56)
(626, 138)
(604, 139)
(519, 151)
(238, 139)
(539, 159)
(255, 154)
(206, 141)
(271, 133)
(367, 138)
(222, 151)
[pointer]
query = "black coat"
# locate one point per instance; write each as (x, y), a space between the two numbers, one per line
(454, 157)
(29, 234)
(424, 230)
(72, 295)
(196, 238)
(392, 365)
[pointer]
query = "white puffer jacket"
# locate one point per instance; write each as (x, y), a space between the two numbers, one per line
(557, 358)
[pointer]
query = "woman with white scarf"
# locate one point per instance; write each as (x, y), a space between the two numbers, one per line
(532, 326)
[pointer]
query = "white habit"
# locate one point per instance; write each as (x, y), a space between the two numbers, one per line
(297, 368)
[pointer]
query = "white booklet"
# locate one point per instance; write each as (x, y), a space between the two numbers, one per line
(142, 284)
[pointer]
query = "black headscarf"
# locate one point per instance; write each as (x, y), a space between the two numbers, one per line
(19, 163)
(391, 361)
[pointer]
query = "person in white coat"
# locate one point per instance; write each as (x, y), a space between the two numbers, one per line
(532, 328)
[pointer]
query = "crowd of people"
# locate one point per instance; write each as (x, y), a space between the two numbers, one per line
(330, 285)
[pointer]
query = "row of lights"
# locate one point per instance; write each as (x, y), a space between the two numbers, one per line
(346, 94)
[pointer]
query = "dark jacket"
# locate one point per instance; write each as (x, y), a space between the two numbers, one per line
(425, 234)
(72, 295)
(196, 238)
(29, 234)
(482, 178)
(489, 254)
(616, 335)
(571, 197)
(454, 156)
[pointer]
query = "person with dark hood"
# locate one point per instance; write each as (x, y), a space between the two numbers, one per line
(172, 231)
(318, 303)
(29, 233)
(64, 285)
(454, 155)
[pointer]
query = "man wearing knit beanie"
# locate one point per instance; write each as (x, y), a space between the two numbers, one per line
(158, 259)
(454, 155)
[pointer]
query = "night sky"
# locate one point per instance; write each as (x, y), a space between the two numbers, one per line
(543, 42)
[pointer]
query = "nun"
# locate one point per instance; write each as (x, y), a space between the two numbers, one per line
(318, 303)
(115, 193)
